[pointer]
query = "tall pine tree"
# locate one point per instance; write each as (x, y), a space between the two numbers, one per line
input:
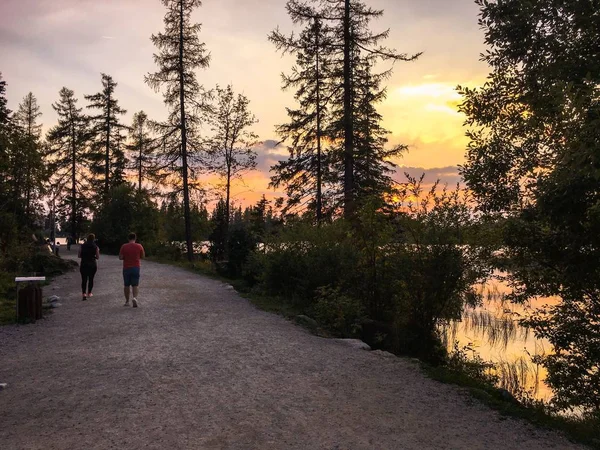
(4, 127)
(305, 171)
(357, 156)
(106, 153)
(359, 49)
(68, 141)
(31, 153)
(142, 148)
(7, 221)
(373, 161)
(180, 54)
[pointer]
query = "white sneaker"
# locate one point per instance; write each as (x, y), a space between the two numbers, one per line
(126, 303)
(134, 302)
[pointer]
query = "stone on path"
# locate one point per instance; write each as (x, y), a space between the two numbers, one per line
(354, 343)
(384, 354)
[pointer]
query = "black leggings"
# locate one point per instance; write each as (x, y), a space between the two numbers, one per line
(87, 277)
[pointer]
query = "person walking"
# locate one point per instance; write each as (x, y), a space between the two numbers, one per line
(89, 253)
(131, 254)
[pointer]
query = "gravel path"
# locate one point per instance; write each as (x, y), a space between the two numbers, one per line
(198, 367)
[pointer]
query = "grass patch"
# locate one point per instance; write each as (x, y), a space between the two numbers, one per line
(7, 299)
(7, 311)
(580, 430)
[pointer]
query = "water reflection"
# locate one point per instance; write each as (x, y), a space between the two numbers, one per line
(493, 332)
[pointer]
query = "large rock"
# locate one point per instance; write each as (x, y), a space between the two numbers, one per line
(384, 354)
(354, 343)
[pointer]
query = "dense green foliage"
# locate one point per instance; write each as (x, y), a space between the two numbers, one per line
(533, 158)
(391, 278)
(128, 210)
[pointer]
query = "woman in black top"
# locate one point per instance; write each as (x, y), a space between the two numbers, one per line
(89, 254)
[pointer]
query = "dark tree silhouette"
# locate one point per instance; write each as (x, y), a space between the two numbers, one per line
(106, 155)
(180, 54)
(230, 150)
(5, 163)
(67, 152)
(304, 172)
(373, 165)
(362, 49)
(143, 151)
(4, 116)
(31, 154)
(533, 159)
(355, 48)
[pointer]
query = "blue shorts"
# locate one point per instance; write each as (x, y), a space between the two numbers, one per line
(131, 276)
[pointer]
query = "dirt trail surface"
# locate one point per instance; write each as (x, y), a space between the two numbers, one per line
(197, 367)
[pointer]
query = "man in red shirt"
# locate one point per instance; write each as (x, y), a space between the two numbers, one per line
(130, 254)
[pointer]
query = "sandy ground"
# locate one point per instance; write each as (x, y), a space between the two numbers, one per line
(198, 367)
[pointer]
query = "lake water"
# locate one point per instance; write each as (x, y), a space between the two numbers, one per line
(493, 332)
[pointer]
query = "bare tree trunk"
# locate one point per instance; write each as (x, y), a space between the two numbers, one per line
(140, 164)
(107, 155)
(348, 121)
(29, 158)
(184, 169)
(319, 173)
(73, 182)
(228, 193)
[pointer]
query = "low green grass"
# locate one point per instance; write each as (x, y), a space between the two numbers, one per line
(7, 311)
(7, 299)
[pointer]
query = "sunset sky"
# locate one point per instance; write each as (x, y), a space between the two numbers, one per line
(48, 44)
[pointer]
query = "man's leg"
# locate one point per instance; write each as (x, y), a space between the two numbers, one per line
(135, 282)
(134, 302)
(127, 283)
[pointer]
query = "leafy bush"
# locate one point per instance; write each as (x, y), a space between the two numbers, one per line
(240, 244)
(165, 251)
(472, 366)
(302, 259)
(339, 313)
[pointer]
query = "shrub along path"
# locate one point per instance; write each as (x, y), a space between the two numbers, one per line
(198, 367)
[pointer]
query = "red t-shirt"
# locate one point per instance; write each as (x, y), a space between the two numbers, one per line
(131, 252)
